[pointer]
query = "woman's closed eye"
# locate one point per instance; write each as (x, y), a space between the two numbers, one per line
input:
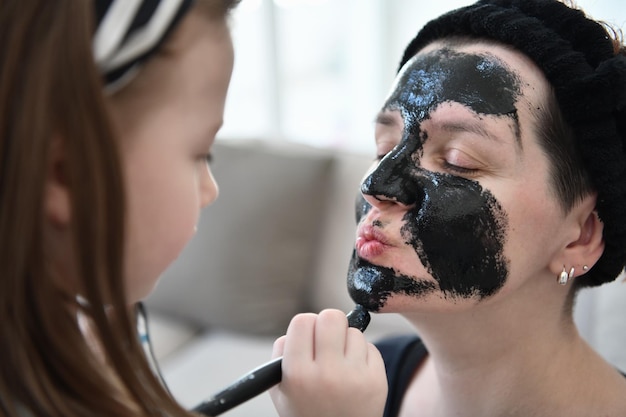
(458, 169)
(380, 156)
(458, 162)
(388, 132)
(383, 148)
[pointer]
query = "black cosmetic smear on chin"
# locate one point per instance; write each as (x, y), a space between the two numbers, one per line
(455, 226)
(371, 284)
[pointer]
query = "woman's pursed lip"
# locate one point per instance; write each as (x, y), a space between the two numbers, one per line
(370, 242)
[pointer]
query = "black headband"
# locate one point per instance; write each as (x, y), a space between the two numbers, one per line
(129, 31)
(577, 57)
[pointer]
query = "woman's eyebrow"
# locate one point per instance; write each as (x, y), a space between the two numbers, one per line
(476, 128)
(471, 127)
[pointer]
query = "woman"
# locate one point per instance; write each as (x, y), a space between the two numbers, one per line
(500, 191)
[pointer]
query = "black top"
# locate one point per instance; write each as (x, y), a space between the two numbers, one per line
(402, 355)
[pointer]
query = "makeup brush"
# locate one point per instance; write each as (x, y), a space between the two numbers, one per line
(264, 377)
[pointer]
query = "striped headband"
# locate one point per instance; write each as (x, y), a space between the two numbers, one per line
(129, 31)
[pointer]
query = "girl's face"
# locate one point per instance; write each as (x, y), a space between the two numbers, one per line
(169, 117)
(459, 206)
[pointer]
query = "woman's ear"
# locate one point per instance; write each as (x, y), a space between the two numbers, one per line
(57, 205)
(584, 250)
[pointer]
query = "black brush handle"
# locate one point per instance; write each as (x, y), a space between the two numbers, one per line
(264, 377)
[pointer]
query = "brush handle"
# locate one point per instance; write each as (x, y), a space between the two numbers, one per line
(264, 377)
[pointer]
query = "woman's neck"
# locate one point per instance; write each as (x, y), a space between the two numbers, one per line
(515, 356)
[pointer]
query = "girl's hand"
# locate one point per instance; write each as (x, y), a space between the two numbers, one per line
(329, 370)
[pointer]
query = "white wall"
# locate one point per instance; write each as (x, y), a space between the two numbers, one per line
(316, 71)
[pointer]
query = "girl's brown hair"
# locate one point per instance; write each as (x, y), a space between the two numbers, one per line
(51, 92)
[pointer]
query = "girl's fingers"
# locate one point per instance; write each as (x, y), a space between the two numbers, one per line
(330, 335)
(299, 343)
(329, 369)
(279, 347)
(357, 347)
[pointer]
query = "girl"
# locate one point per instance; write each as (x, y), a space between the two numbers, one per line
(108, 112)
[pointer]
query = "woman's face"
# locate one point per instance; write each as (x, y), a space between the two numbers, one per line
(169, 117)
(458, 208)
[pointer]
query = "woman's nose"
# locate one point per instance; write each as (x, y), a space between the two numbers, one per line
(388, 184)
(380, 201)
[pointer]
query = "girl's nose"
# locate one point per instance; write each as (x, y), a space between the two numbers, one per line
(209, 190)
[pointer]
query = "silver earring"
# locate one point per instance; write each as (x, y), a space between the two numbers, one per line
(585, 267)
(571, 273)
(563, 277)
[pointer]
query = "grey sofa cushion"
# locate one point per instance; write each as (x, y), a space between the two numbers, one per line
(247, 267)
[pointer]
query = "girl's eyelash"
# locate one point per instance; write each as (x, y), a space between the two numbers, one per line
(209, 158)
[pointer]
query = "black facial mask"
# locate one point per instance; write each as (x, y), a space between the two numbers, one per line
(456, 227)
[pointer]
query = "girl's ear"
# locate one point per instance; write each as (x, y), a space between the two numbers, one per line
(588, 243)
(57, 205)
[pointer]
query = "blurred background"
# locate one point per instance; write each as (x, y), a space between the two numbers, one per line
(309, 78)
(317, 71)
